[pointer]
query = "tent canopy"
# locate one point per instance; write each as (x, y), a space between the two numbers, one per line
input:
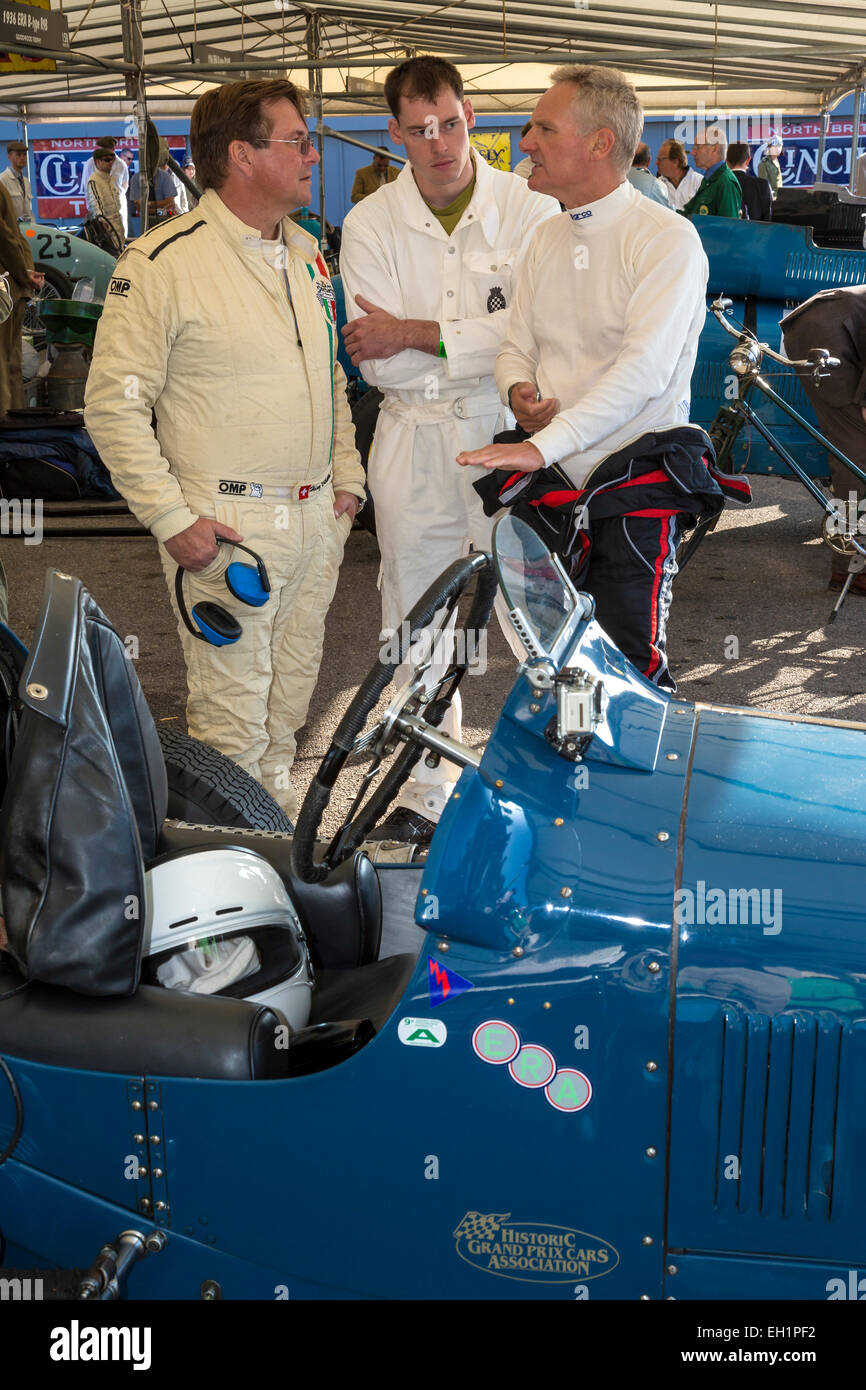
(736, 56)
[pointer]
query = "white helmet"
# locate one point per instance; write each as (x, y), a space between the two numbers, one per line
(219, 921)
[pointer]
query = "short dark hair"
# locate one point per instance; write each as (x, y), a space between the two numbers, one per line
(234, 111)
(738, 153)
(641, 156)
(421, 77)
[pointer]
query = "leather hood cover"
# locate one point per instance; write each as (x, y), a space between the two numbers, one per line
(78, 819)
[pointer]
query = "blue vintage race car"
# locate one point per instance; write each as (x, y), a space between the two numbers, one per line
(611, 1044)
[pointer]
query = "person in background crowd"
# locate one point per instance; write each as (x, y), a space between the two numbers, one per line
(769, 167)
(181, 201)
(239, 427)
(679, 181)
(15, 258)
(162, 193)
(836, 320)
(372, 176)
(719, 195)
(640, 177)
(15, 181)
(104, 198)
(428, 266)
(523, 168)
(119, 172)
(596, 364)
(189, 170)
(757, 198)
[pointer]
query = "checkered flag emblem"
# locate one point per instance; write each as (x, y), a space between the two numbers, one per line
(495, 299)
(476, 1226)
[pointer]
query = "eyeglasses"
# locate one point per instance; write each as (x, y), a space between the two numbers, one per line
(303, 142)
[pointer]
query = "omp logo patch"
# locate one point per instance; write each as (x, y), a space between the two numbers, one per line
(232, 487)
(119, 286)
(532, 1251)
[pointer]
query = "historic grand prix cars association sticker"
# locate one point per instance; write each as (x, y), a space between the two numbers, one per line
(532, 1251)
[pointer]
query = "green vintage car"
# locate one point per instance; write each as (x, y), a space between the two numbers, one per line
(65, 258)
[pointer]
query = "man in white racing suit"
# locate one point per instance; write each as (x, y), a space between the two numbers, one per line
(428, 266)
(222, 322)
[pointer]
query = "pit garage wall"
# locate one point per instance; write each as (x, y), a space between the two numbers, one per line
(342, 161)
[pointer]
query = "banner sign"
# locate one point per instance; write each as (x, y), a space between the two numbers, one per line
(494, 146)
(218, 57)
(59, 168)
(37, 26)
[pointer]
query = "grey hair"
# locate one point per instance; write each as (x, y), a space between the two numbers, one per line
(714, 135)
(605, 97)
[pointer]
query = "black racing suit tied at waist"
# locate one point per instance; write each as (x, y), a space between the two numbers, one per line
(664, 473)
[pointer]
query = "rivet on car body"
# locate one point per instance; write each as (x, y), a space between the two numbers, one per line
(644, 1298)
(647, 1240)
(136, 1105)
(537, 694)
(672, 757)
(37, 692)
(153, 1105)
(518, 951)
(158, 1173)
(662, 836)
(509, 1001)
(671, 1269)
(565, 892)
(138, 1138)
(652, 1152)
(653, 967)
(160, 1206)
(652, 1066)
(499, 782)
(545, 1005)
(155, 1139)
(533, 709)
(441, 945)
(455, 796)
(145, 1204)
(142, 1172)
(559, 821)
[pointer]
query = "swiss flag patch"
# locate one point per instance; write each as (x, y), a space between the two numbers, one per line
(303, 492)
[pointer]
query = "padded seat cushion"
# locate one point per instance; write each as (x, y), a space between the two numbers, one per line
(155, 1032)
(372, 991)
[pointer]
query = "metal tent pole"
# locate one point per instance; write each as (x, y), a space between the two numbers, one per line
(822, 140)
(855, 137)
(133, 52)
(313, 47)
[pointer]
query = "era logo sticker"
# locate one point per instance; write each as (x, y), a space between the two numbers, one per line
(422, 1032)
(532, 1065)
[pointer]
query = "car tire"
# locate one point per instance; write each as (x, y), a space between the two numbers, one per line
(57, 286)
(207, 788)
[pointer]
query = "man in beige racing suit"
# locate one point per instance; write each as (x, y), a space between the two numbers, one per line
(222, 324)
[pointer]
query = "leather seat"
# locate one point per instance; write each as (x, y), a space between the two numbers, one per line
(84, 811)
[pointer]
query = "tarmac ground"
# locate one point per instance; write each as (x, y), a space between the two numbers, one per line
(748, 624)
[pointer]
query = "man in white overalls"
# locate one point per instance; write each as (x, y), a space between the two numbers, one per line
(428, 265)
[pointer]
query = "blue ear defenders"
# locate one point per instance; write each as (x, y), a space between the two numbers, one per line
(216, 625)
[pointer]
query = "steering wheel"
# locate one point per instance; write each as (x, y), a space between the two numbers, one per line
(423, 703)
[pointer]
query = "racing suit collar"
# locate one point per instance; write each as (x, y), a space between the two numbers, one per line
(482, 205)
(248, 240)
(604, 212)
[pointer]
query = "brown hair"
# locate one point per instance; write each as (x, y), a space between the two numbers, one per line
(421, 77)
(738, 152)
(676, 152)
(234, 111)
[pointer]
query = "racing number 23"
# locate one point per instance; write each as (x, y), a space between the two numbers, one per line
(51, 248)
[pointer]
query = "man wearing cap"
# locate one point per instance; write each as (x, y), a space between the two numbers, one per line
(15, 181)
(189, 170)
(118, 171)
(104, 198)
(769, 167)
